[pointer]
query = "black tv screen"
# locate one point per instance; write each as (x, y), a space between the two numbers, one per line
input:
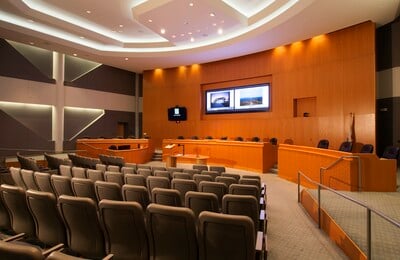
(177, 113)
(249, 98)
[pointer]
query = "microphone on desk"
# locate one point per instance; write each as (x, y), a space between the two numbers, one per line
(183, 148)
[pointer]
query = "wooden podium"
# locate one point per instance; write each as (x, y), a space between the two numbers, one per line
(171, 160)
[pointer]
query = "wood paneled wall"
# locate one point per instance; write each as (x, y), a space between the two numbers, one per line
(337, 70)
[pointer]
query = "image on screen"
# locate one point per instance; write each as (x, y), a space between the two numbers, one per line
(252, 98)
(219, 101)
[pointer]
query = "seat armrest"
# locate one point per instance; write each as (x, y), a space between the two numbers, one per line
(52, 249)
(109, 256)
(15, 237)
(259, 241)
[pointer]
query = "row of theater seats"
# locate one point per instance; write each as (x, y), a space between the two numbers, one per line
(159, 195)
(121, 230)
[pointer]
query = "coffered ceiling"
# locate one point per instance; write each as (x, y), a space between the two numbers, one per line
(137, 35)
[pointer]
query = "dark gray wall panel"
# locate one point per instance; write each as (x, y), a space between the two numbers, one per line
(106, 127)
(15, 136)
(108, 79)
(14, 64)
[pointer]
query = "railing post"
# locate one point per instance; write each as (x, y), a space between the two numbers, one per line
(298, 186)
(319, 206)
(359, 174)
(369, 250)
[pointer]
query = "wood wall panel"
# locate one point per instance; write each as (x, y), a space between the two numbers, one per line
(337, 68)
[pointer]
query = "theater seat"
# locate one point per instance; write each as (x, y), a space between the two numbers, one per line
(125, 229)
(172, 232)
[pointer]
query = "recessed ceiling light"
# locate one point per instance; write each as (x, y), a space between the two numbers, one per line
(220, 31)
(82, 37)
(31, 21)
(192, 39)
(162, 31)
(150, 20)
(126, 58)
(31, 43)
(88, 11)
(190, 33)
(182, 34)
(121, 25)
(191, 4)
(120, 31)
(173, 36)
(214, 24)
(212, 14)
(75, 54)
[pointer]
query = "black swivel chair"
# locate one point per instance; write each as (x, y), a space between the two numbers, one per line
(323, 143)
(367, 148)
(391, 152)
(346, 147)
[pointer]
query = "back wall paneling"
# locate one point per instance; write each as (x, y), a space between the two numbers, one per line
(337, 70)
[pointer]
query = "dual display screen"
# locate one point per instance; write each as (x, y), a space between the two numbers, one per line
(240, 99)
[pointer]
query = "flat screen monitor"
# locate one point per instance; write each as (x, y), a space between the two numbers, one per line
(249, 98)
(177, 114)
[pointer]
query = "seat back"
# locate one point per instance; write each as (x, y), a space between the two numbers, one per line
(135, 179)
(94, 175)
(191, 171)
(323, 143)
(201, 201)
(217, 168)
(125, 229)
(367, 148)
(144, 171)
(233, 175)
(346, 147)
(181, 175)
(136, 193)
(50, 228)
(161, 173)
(227, 180)
(172, 232)
(15, 202)
(243, 189)
(107, 190)
(213, 174)
(250, 181)
(43, 181)
(157, 182)
(5, 223)
(29, 179)
(65, 170)
(128, 170)
(200, 167)
(158, 168)
(113, 168)
(78, 172)
(201, 177)
(84, 234)
(84, 188)
(19, 251)
(168, 197)
(218, 188)
(183, 186)
(61, 185)
(27, 163)
(101, 167)
(115, 177)
(223, 236)
(245, 205)
(16, 176)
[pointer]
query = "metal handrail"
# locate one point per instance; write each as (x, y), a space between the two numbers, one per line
(341, 158)
(369, 209)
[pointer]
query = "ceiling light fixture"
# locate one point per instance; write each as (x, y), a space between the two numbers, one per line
(212, 14)
(88, 11)
(162, 31)
(126, 58)
(192, 39)
(75, 54)
(191, 4)
(121, 25)
(220, 31)
(150, 21)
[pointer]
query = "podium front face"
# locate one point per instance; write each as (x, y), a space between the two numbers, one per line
(171, 161)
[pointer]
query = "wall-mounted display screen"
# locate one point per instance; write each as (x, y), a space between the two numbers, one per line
(177, 113)
(238, 99)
